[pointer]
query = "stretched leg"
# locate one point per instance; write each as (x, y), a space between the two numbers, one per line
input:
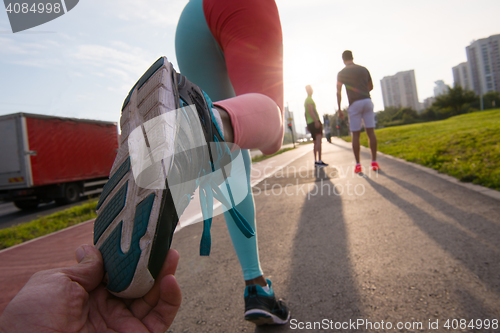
(246, 43)
(210, 62)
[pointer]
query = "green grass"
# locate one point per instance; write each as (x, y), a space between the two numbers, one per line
(45, 225)
(466, 147)
(259, 158)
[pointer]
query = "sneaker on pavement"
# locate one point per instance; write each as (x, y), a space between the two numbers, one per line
(357, 169)
(320, 164)
(262, 308)
(165, 119)
(375, 166)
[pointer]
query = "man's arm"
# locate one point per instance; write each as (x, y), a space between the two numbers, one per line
(339, 99)
(339, 93)
(370, 82)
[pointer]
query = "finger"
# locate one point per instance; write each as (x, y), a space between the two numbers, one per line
(89, 271)
(141, 307)
(162, 315)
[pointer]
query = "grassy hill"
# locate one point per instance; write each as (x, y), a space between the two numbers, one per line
(466, 147)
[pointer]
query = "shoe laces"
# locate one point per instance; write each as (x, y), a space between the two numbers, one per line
(209, 189)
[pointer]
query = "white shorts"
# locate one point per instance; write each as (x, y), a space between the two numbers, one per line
(362, 109)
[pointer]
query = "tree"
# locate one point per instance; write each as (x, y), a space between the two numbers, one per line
(430, 114)
(407, 115)
(386, 115)
(491, 100)
(454, 101)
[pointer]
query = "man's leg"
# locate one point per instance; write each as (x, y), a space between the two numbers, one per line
(315, 150)
(318, 145)
(355, 117)
(372, 138)
(355, 144)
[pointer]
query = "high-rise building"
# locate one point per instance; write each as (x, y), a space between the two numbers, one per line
(462, 76)
(441, 88)
(483, 56)
(428, 102)
(400, 90)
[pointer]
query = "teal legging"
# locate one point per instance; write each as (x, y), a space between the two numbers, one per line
(202, 61)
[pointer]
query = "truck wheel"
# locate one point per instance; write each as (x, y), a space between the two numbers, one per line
(27, 204)
(71, 194)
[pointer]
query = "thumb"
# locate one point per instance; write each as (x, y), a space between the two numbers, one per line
(89, 271)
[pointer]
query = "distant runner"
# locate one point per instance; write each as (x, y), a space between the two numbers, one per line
(358, 83)
(314, 126)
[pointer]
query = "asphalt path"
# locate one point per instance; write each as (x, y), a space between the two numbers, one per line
(399, 250)
(403, 247)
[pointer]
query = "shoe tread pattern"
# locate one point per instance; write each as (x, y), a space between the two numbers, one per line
(121, 266)
(151, 100)
(113, 181)
(110, 212)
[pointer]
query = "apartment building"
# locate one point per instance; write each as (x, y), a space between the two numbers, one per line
(462, 76)
(483, 57)
(400, 90)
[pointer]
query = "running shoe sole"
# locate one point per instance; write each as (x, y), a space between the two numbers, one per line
(135, 223)
(261, 317)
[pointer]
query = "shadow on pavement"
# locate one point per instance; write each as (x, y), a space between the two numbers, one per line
(321, 285)
(469, 238)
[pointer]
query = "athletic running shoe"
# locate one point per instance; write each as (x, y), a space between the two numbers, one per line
(320, 164)
(160, 163)
(357, 169)
(262, 308)
(375, 166)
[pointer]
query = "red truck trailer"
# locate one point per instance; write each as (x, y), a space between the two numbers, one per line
(45, 158)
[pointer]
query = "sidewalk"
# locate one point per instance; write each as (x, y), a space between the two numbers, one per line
(401, 246)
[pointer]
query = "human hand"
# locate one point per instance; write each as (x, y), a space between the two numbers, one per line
(317, 124)
(341, 115)
(73, 299)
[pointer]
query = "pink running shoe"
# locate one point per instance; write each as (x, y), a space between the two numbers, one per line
(357, 169)
(375, 166)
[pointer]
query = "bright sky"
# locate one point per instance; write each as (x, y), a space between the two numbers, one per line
(83, 63)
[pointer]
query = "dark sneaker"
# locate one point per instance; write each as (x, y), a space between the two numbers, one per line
(170, 145)
(262, 308)
(320, 164)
